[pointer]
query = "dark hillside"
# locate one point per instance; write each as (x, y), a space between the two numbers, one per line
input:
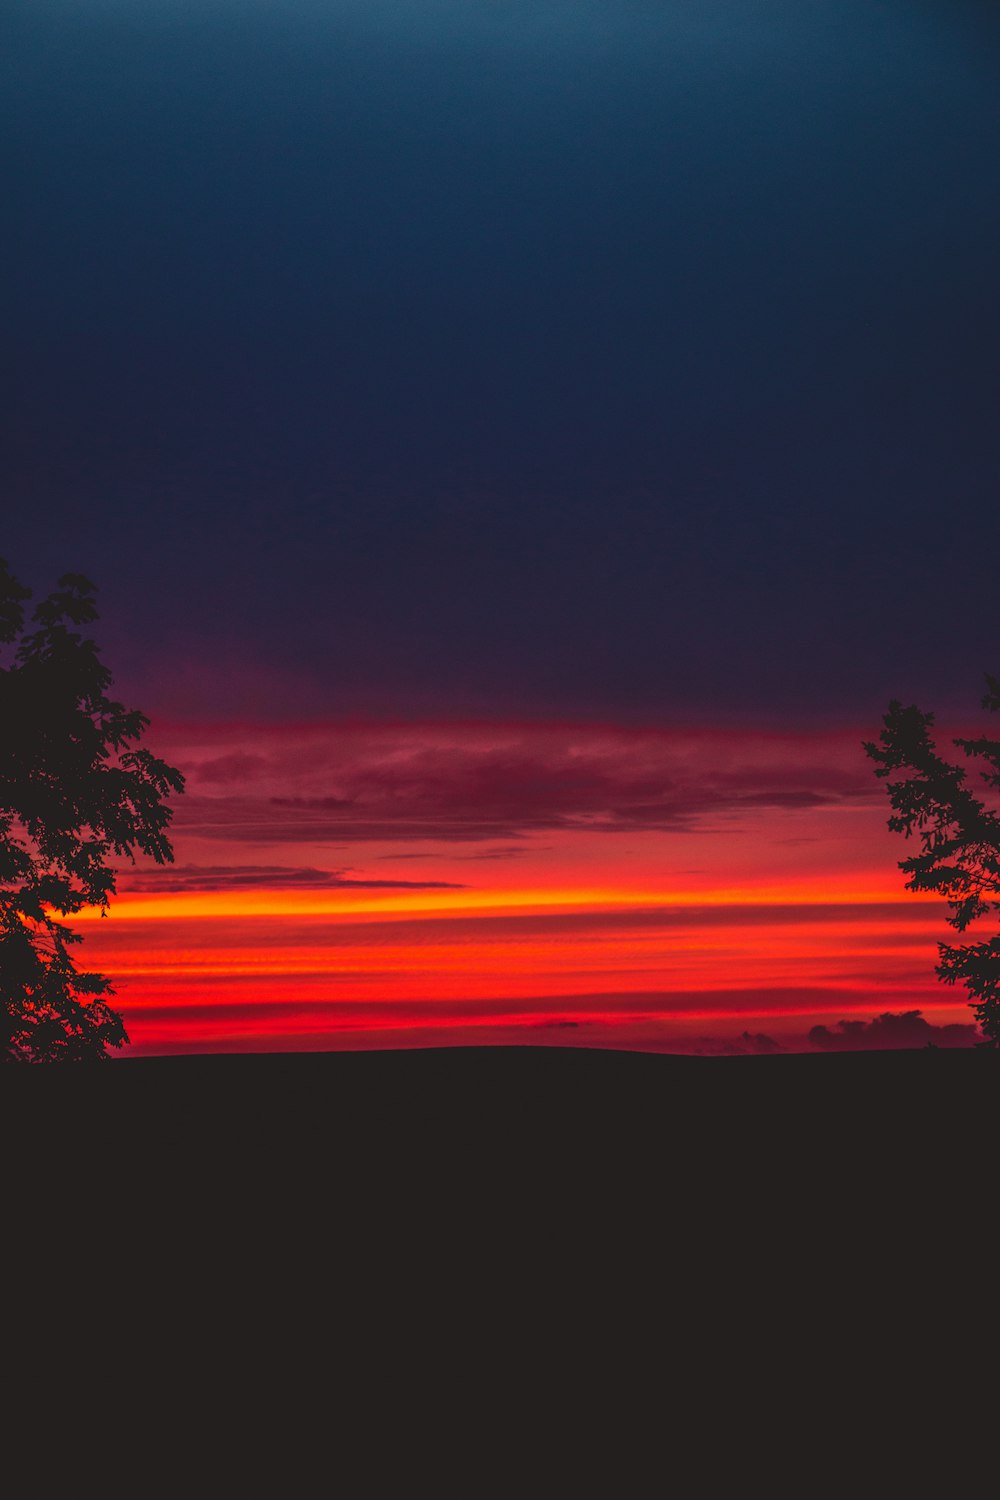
(512, 1241)
(521, 1135)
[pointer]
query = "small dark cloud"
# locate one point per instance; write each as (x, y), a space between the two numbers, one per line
(759, 1041)
(892, 1029)
(504, 851)
(784, 799)
(262, 877)
(747, 1044)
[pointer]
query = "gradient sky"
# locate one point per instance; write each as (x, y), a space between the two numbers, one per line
(521, 446)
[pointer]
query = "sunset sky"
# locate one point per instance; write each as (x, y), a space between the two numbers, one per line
(521, 446)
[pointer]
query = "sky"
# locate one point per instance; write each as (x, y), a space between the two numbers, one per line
(521, 448)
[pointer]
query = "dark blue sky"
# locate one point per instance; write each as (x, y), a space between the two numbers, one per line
(595, 358)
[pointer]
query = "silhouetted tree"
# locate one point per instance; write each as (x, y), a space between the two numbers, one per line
(960, 834)
(72, 794)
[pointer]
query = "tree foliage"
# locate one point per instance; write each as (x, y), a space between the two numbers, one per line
(74, 793)
(960, 838)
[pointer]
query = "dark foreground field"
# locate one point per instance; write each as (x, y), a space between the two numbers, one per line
(634, 1156)
(780, 1240)
(538, 1128)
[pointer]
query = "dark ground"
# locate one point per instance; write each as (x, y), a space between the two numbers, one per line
(795, 1244)
(527, 1135)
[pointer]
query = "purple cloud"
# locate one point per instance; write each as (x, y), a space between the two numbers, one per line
(892, 1029)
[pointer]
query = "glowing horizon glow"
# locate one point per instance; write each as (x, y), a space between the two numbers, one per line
(414, 885)
(266, 902)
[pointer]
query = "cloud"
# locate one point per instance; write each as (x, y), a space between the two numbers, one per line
(560, 786)
(493, 783)
(747, 1044)
(892, 1029)
(497, 851)
(264, 877)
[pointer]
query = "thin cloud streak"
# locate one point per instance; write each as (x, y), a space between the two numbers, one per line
(183, 878)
